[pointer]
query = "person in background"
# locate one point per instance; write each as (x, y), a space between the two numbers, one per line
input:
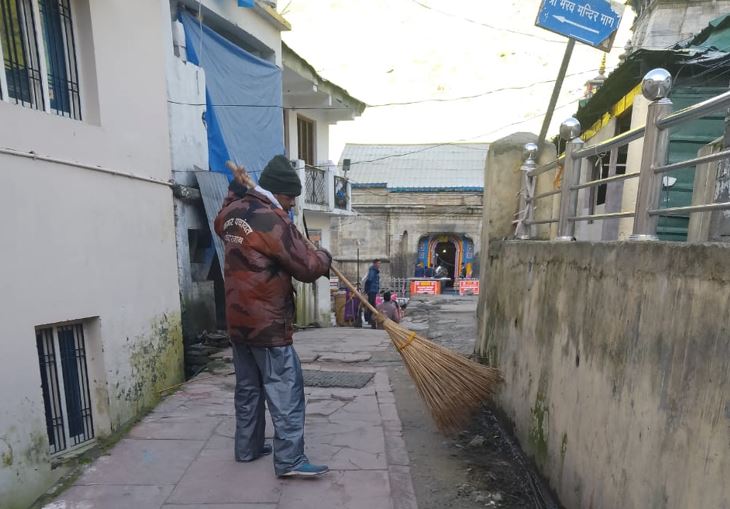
(420, 271)
(389, 308)
(263, 251)
(372, 287)
(429, 271)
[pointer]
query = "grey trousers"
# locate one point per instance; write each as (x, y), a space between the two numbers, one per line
(273, 375)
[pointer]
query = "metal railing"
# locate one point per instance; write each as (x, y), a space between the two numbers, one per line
(315, 185)
(399, 285)
(342, 195)
(660, 118)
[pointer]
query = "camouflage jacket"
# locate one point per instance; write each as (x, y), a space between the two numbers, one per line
(263, 250)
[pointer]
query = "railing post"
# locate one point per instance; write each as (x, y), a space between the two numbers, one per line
(330, 189)
(570, 132)
(524, 230)
(299, 166)
(655, 87)
(349, 195)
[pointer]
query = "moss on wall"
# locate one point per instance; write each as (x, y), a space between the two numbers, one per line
(629, 346)
(156, 361)
(539, 428)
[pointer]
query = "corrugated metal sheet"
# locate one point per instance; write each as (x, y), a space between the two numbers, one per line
(411, 168)
(213, 189)
(684, 142)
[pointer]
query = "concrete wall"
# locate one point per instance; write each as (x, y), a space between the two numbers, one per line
(255, 32)
(503, 182)
(616, 358)
(592, 230)
(321, 136)
(313, 300)
(662, 23)
(83, 245)
(639, 112)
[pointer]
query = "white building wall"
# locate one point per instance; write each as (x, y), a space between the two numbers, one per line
(322, 130)
(82, 244)
(319, 305)
(314, 306)
(292, 139)
(228, 13)
(322, 139)
(587, 230)
(633, 164)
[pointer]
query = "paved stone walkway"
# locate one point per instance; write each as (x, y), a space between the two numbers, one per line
(181, 454)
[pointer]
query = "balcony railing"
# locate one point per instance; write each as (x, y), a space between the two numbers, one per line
(646, 210)
(315, 187)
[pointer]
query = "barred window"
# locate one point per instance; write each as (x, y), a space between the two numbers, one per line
(65, 385)
(39, 56)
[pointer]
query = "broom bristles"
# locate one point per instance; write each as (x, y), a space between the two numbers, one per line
(452, 386)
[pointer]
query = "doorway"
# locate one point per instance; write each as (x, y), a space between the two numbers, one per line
(445, 256)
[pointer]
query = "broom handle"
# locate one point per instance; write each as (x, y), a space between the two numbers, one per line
(240, 174)
(340, 274)
(352, 288)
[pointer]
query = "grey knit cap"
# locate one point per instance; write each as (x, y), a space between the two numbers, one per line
(279, 177)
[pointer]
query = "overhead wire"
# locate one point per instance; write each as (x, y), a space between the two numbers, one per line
(381, 105)
(456, 143)
(486, 25)
(459, 141)
(478, 95)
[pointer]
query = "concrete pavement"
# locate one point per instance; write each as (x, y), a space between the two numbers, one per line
(181, 454)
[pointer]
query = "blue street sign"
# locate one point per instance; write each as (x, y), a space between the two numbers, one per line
(245, 3)
(593, 22)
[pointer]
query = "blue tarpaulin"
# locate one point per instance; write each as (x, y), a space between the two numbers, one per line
(244, 100)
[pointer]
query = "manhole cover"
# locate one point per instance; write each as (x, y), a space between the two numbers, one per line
(346, 379)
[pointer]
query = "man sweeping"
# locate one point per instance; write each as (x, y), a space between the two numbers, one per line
(263, 251)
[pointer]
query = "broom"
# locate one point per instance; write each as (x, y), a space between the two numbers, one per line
(452, 386)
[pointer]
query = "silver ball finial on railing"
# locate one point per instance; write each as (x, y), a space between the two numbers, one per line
(656, 84)
(529, 152)
(570, 129)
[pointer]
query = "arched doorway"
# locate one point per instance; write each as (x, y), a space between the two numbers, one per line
(459, 263)
(445, 256)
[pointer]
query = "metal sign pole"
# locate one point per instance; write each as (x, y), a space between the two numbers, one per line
(556, 93)
(594, 24)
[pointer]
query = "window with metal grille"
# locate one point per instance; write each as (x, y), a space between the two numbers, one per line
(305, 135)
(63, 79)
(315, 185)
(22, 77)
(65, 385)
(39, 56)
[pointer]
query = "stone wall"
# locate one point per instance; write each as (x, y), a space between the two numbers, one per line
(616, 358)
(389, 225)
(662, 23)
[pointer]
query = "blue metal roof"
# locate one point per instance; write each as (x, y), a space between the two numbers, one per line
(418, 168)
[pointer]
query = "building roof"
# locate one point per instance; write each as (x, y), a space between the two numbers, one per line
(292, 60)
(414, 168)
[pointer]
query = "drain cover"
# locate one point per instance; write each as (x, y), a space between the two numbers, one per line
(313, 378)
